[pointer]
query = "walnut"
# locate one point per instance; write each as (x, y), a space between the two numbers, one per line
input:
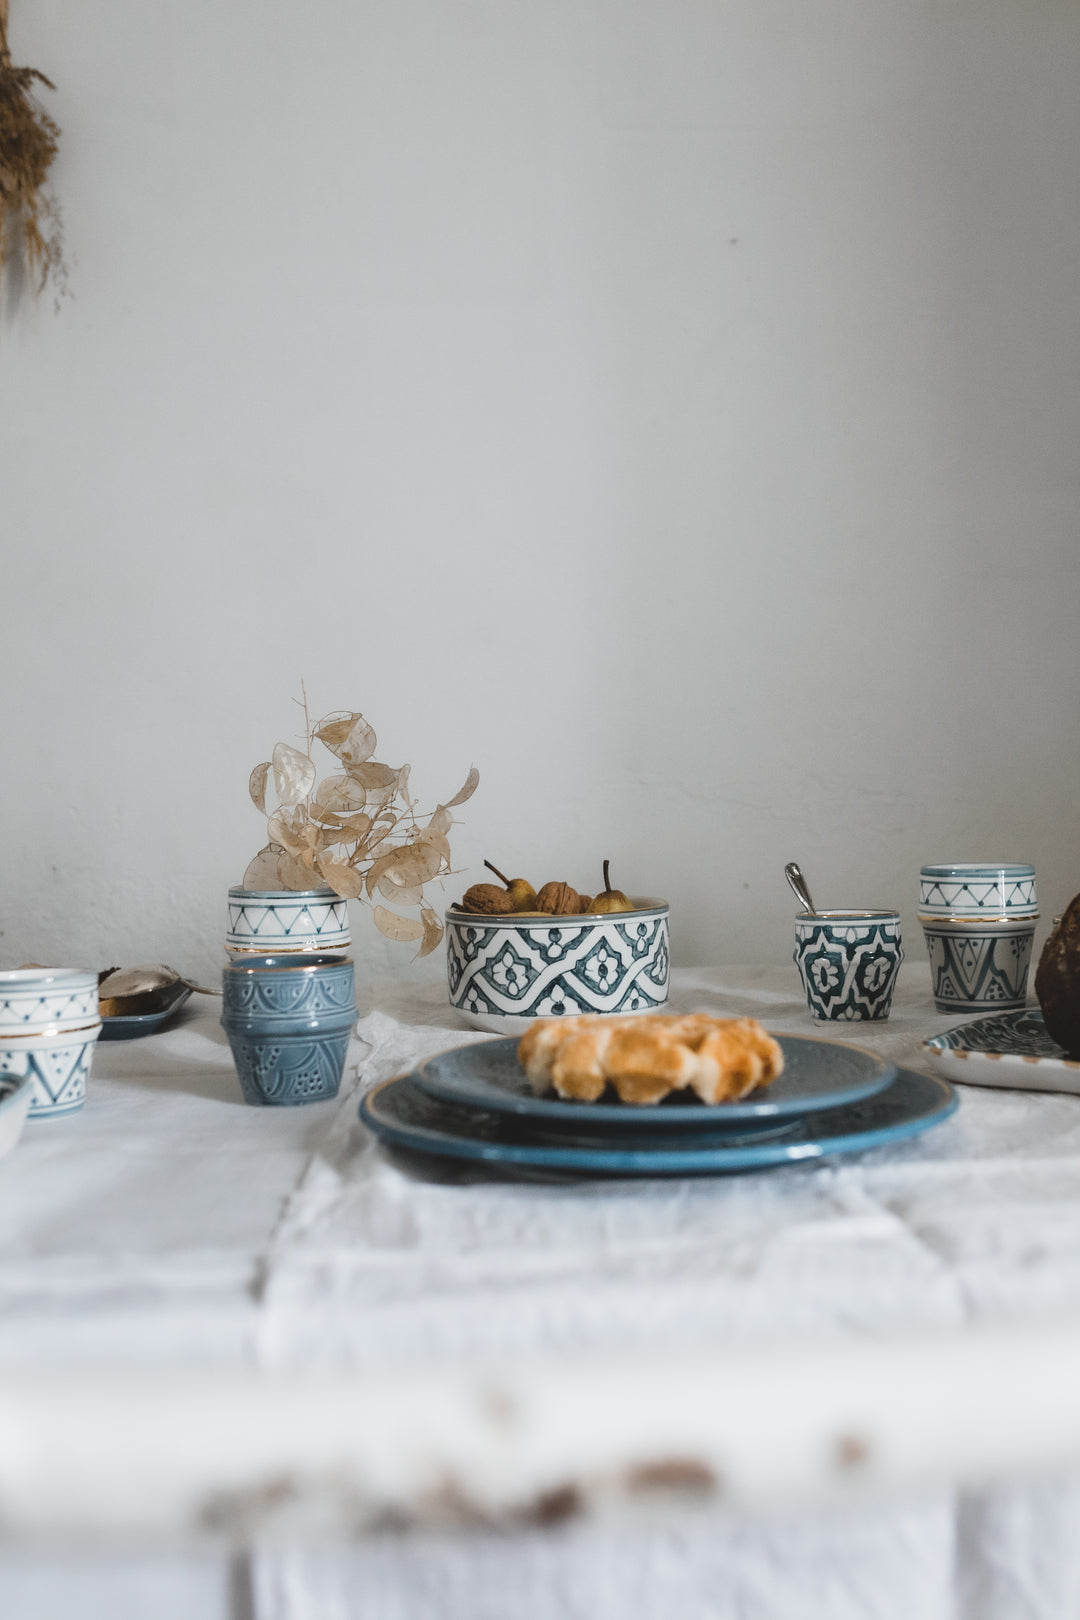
(558, 900)
(489, 899)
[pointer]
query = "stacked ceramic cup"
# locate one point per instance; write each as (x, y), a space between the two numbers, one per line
(979, 922)
(288, 1021)
(49, 1024)
(285, 922)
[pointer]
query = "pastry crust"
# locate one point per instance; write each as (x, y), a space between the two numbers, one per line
(648, 1055)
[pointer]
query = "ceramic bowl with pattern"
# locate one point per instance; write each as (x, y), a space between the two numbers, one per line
(289, 1024)
(979, 966)
(49, 1025)
(286, 922)
(849, 962)
(505, 971)
(977, 889)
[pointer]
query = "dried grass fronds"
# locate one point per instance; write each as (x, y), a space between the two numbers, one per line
(356, 830)
(31, 235)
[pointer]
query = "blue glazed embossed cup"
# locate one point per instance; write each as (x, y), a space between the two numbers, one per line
(289, 1024)
(849, 961)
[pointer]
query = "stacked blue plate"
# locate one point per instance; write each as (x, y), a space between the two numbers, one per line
(475, 1102)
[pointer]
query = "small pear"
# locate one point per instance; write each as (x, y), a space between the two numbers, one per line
(609, 899)
(521, 892)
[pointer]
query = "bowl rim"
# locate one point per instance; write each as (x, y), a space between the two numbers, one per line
(239, 892)
(964, 869)
(977, 920)
(644, 906)
(851, 914)
(294, 962)
(59, 979)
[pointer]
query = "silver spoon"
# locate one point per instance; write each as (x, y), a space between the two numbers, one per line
(799, 887)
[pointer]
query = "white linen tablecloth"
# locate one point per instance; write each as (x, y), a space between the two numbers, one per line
(170, 1225)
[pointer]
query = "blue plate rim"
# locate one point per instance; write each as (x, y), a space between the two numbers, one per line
(126, 1026)
(656, 1161)
(684, 1116)
(942, 1044)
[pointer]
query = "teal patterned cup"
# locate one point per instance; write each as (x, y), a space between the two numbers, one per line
(849, 961)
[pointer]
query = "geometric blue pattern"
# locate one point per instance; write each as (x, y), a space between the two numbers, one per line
(59, 1069)
(973, 891)
(981, 969)
(278, 919)
(34, 1001)
(526, 969)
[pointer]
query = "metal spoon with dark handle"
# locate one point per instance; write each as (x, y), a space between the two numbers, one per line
(799, 887)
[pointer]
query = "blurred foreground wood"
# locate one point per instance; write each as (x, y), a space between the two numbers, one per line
(234, 1458)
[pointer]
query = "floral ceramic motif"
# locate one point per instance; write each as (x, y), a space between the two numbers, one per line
(1008, 1049)
(849, 963)
(520, 969)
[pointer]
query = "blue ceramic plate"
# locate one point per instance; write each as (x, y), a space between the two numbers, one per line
(1009, 1049)
(125, 1026)
(406, 1117)
(817, 1074)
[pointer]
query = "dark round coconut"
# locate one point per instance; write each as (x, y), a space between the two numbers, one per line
(1057, 981)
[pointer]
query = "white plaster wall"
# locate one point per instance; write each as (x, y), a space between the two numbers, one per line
(670, 405)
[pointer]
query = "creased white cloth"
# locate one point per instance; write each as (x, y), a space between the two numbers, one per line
(170, 1224)
(373, 1265)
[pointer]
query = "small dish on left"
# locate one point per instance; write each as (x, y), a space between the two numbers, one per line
(125, 1026)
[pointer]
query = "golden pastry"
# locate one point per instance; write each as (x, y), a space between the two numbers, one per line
(648, 1055)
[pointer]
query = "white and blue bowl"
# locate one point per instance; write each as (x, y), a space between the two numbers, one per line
(286, 922)
(288, 1024)
(848, 962)
(503, 972)
(49, 1025)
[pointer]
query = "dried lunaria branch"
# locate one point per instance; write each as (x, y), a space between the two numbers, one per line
(356, 830)
(31, 245)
